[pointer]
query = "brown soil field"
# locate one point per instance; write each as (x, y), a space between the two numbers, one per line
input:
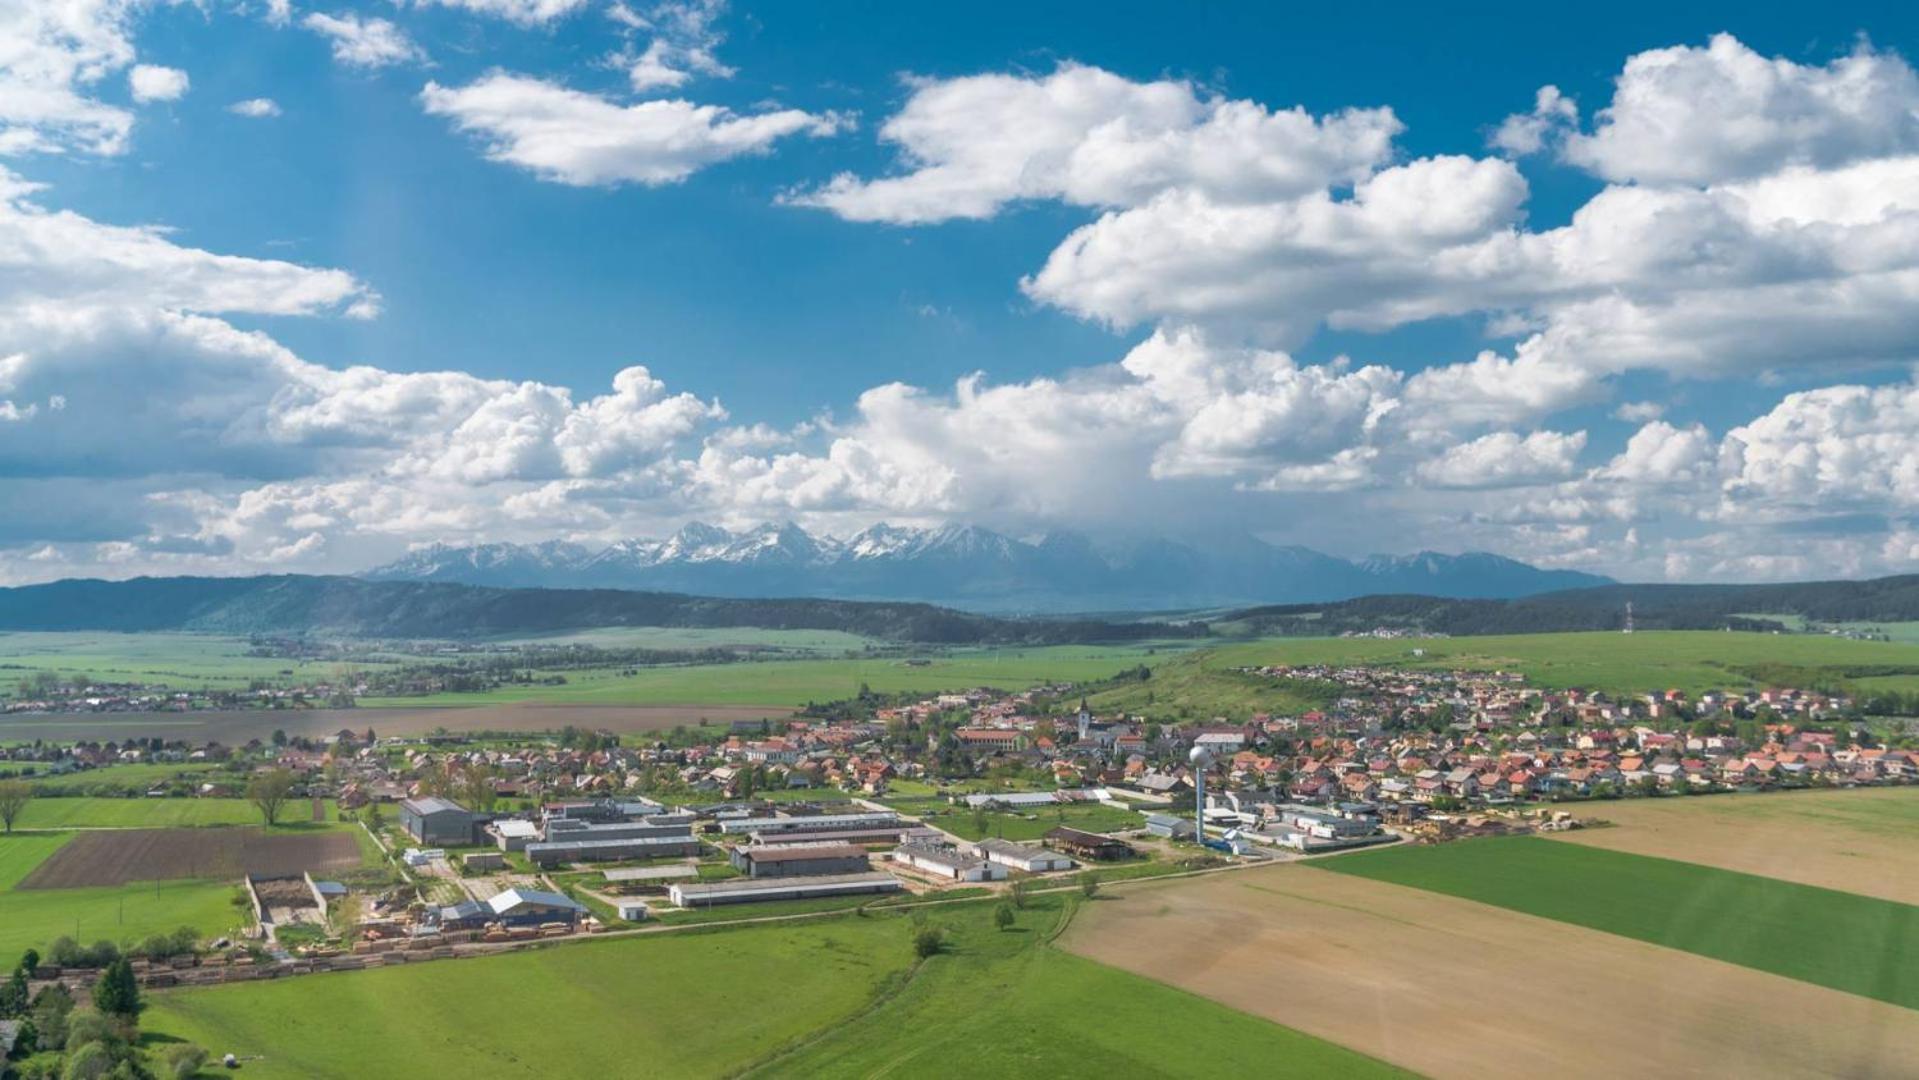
(237, 726)
(1450, 988)
(117, 856)
(1855, 841)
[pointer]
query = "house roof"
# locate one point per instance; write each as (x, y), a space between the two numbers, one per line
(432, 804)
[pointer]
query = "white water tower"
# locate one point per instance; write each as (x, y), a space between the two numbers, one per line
(1202, 759)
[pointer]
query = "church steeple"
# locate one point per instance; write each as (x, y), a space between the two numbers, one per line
(1085, 720)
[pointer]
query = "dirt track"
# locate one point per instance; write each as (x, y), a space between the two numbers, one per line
(1451, 988)
(115, 857)
(1855, 841)
(236, 727)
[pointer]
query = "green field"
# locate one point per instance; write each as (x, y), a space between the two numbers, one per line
(1840, 940)
(832, 997)
(132, 779)
(32, 918)
(1029, 825)
(699, 637)
(97, 813)
(796, 682)
(1693, 661)
(1009, 1004)
(180, 660)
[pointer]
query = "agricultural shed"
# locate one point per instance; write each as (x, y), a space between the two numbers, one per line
(639, 847)
(652, 873)
(815, 823)
(750, 890)
(1167, 825)
(885, 834)
(948, 862)
(800, 860)
(1087, 845)
(1020, 857)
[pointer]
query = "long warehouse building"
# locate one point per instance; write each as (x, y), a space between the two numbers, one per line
(775, 826)
(754, 890)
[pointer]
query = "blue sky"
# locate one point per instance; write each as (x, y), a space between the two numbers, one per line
(758, 316)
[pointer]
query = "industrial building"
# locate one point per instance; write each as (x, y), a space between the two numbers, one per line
(514, 907)
(800, 860)
(514, 835)
(948, 862)
(1020, 857)
(1171, 826)
(754, 890)
(433, 820)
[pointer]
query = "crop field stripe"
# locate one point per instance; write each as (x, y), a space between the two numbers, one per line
(1840, 940)
(22, 853)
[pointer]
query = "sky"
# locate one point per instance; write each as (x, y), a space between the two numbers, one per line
(298, 288)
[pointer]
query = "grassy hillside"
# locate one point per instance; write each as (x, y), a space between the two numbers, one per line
(1835, 939)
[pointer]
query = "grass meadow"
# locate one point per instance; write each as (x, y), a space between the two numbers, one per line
(1007, 1003)
(105, 813)
(1840, 940)
(1689, 660)
(829, 997)
(791, 683)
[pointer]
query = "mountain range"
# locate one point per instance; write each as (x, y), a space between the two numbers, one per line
(975, 568)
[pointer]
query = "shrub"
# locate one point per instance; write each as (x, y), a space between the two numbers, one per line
(183, 1060)
(928, 941)
(1003, 915)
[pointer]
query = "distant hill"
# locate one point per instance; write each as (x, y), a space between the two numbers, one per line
(975, 568)
(351, 607)
(1655, 607)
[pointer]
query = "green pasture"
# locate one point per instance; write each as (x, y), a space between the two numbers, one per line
(1028, 824)
(179, 660)
(826, 997)
(1007, 1003)
(130, 779)
(1840, 940)
(699, 637)
(791, 683)
(693, 1004)
(101, 813)
(1694, 661)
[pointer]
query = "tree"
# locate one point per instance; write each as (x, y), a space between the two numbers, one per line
(1003, 915)
(477, 788)
(14, 796)
(1016, 892)
(1089, 883)
(375, 817)
(269, 791)
(118, 993)
(928, 941)
(13, 995)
